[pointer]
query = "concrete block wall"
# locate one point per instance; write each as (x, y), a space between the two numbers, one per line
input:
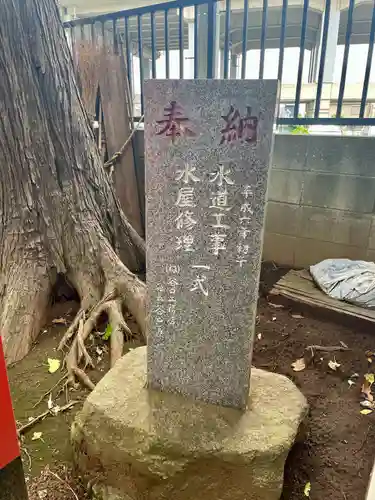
(321, 199)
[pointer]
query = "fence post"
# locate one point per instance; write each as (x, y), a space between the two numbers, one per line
(211, 39)
(12, 480)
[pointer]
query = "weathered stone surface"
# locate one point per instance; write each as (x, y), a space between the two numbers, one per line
(207, 150)
(158, 445)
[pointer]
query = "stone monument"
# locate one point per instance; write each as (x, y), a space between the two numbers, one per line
(208, 147)
(193, 421)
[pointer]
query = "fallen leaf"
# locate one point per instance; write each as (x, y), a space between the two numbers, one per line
(350, 382)
(355, 375)
(50, 402)
(53, 365)
(307, 489)
(99, 351)
(297, 316)
(365, 412)
(56, 409)
(299, 365)
(108, 332)
(276, 306)
(366, 390)
(259, 336)
(274, 318)
(367, 404)
(370, 378)
(36, 436)
(369, 354)
(59, 321)
(333, 364)
(369, 360)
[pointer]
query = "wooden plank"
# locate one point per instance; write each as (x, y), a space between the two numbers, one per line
(88, 70)
(300, 287)
(117, 124)
(100, 68)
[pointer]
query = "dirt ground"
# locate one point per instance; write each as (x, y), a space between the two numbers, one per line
(338, 450)
(335, 455)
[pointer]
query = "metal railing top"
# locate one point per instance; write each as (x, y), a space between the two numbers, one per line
(229, 34)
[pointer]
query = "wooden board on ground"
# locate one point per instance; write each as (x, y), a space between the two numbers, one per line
(299, 286)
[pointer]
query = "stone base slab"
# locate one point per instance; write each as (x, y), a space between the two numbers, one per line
(145, 444)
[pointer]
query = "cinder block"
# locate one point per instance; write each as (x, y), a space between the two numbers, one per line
(289, 152)
(285, 186)
(345, 155)
(283, 218)
(308, 252)
(279, 248)
(356, 194)
(370, 255)
(336, 226)
(371, 239)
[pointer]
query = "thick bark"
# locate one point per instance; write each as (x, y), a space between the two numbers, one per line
(58, 212)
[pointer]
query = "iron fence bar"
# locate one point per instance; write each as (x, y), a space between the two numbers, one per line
(345, 60)
(166, 43)
(211, 38)
(72, 41)
(181, 40)
(263, 38)
(115, 39)
(93, 33)
(282, 40)
(244, 37)
(103, 34)
(226, 41)
(153, 45)
(140, 55)
(319, 89)
(128, 55)
(301, 57)
(196, 13)
(368, 65)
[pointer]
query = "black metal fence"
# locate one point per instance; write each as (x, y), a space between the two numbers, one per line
(223, 32)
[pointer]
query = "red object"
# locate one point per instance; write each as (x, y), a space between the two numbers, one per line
(9, 449)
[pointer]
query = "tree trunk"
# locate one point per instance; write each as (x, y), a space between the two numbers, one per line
(58, 211)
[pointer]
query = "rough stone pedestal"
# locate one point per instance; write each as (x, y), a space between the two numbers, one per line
(143, 444)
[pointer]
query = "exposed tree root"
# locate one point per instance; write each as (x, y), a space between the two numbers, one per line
(72, 329)
(125, 292)
(83, 377)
